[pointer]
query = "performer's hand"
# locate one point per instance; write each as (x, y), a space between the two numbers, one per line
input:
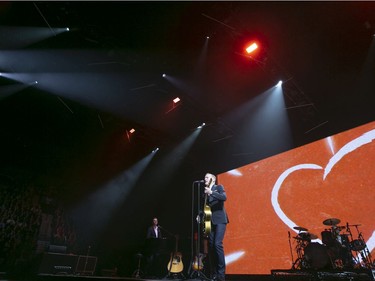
(207, 190)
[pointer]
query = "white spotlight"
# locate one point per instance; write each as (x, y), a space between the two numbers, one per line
(201, 126)
(279, 84)
(35, 82)
(155, 150)
(164, 75)
(67, 29)
(207, 37)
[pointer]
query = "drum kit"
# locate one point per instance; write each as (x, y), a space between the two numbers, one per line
(339, 248)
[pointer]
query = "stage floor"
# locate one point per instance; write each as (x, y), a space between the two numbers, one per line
(275, 275)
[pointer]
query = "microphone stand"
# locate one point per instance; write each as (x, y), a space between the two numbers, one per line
(198, 273)
(167, 231)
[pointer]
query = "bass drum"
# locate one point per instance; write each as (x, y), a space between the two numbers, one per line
(316, 256)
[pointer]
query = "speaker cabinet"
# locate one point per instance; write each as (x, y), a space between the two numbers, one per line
(54, 263)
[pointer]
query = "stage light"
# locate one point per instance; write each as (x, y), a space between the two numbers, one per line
(207, 37)
(201, 126)
(176, 100)
(164, 75)
(67, 29)
(128, 134)
(279, 83)
(251, 48)
(155, 150)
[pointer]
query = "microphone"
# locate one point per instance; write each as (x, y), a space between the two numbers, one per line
(202, 181)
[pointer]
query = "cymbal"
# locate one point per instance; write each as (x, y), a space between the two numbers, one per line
(300, 228)
(331, 221)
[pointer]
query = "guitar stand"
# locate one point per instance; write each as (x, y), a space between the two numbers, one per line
(170, 275)
(199, 275)
(138, 273)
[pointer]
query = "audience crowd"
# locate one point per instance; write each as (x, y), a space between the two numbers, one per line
(30, 216)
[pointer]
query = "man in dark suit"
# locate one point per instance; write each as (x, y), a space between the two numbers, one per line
(154, 230)
(216, 197)
(153, 236)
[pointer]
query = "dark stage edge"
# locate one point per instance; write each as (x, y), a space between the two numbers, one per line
(276, 275)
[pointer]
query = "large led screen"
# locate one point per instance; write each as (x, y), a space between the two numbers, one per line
(271, 202)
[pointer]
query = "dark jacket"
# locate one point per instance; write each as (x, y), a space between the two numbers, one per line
(216, 202)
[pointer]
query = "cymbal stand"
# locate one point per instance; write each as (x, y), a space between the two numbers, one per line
(355, 257)
(365, 253)
(363, 256)
(291, 251)
(299, 263)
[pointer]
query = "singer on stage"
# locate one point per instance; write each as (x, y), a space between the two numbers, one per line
(216, 197)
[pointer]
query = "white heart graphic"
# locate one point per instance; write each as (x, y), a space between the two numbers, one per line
(345, 150)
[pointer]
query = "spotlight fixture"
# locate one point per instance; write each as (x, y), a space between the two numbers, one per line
(251, 48)
(155, 150)
(164, 75)
(132, 130)
(201, 126)
(176, 100)
(279, 83)
(207, 37)
(67, 29)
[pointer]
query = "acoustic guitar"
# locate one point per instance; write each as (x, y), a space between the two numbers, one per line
(175, 264)
(207, 216)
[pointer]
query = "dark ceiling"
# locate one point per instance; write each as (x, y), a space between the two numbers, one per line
(104, 77)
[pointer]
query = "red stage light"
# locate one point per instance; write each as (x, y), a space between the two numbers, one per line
(251, 47)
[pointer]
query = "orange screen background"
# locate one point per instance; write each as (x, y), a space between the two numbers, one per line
(257, 238)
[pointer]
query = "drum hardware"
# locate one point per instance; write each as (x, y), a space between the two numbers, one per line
(306, 236)
(313, 236)
(362, 256)
(302, 240)
(340, 250)
(300, 228)
(357, 245)
(331, 221)
(316, 256)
